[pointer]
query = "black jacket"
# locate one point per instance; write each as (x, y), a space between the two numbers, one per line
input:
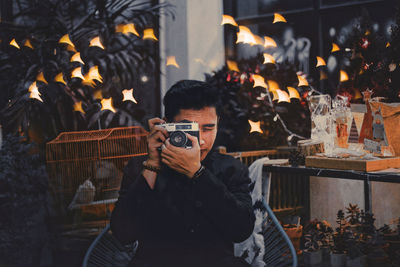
(184, 222)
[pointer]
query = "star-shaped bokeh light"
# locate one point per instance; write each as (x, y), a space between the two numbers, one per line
(106, 104)
(226, 19)
(255, 126)
(128, 95)
(259, 81)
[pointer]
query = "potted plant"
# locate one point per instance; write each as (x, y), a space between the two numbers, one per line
(392, 237)
(316, 239)
(355, 254)
(294, 232)
(88, 51)
(354, 215)
(339, 245)
(355, 241)
(327, 229)
(375, 245)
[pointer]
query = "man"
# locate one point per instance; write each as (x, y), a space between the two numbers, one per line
(185, 206)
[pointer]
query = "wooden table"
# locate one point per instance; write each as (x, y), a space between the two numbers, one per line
(367, 177)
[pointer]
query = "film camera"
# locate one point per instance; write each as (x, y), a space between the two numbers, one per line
(177, 133)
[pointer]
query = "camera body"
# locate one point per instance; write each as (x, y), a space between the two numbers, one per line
(177, 133)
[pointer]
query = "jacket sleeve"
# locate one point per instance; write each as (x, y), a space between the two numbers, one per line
(227, 204)
(135, 196)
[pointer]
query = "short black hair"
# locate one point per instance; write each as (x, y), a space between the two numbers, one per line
(190, 94)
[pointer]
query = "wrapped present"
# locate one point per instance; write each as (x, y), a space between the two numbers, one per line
(387, 131)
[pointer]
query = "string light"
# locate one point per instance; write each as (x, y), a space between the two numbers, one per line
(66, 40)
(279, 18)
(14, 43)
(144, 79)
(285, 128)
(171, 61)
(149, 34)
(96, 42)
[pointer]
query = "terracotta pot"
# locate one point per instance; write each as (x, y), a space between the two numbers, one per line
(312, 258)
(338, 260)
(357, 262)
(295, 233)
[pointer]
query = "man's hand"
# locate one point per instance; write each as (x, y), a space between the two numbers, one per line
(182, 160)
(155, 139)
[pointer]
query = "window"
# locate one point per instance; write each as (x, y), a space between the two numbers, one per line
(312, 26)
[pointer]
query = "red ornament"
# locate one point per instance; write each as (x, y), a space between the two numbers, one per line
(250, 79)
(366, 66)
(346, 94)
(365, 43)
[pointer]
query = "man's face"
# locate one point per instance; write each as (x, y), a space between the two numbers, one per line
(207, 120)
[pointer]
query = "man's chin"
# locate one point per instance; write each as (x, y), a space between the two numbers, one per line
(203, 154)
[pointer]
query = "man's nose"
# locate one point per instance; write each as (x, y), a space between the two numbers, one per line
(201, 141)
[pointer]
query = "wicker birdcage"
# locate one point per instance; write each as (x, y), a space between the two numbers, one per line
(85, 168)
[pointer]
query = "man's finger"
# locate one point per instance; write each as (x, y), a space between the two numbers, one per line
(154, 121)
(167, 151)
(157, 129)
(166, 156)
(162, 129)
(165, 161)
(173, 148)
(160, 136)
(194, 139)
(156, 144)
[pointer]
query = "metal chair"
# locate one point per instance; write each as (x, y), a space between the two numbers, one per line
(106, 251)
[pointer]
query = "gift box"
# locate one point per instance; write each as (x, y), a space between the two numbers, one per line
(390, 113)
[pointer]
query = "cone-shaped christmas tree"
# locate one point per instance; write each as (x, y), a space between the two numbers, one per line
(353, 136)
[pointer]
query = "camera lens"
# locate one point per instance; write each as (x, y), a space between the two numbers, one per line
(178, 138)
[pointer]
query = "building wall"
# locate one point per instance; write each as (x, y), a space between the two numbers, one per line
(194, 37)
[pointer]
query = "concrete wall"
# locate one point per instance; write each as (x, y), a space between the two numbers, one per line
(385, 202)
(328, 195)
(195, 38)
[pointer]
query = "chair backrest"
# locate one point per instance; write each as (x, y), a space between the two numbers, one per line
(107, 251)
(279, 250)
